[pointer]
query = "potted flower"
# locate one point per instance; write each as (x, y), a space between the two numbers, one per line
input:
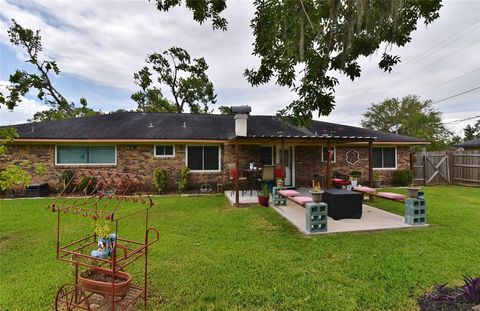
(264, 196)
(354, 176)
(377, 183)
(316, 192)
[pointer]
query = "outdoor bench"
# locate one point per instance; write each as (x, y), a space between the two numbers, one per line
(371, 192)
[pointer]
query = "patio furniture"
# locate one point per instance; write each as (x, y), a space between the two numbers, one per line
(280, 195)
(316, 217)
(232, 174)
(301, 200)
(253, 180)
(343, 203)
(371, 192)
(340, 180)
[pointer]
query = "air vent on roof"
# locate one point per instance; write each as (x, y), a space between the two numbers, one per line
(150, 125)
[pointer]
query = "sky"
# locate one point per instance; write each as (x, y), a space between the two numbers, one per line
(99, 44)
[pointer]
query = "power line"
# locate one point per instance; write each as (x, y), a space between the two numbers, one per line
(462, 120)
(447, 82)
(419, 55)
(458, 94)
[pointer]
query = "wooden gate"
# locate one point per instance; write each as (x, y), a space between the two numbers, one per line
(431, 168)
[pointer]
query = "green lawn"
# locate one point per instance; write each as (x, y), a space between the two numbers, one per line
(213, 256)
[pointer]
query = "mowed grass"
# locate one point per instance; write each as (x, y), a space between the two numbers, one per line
(212, 256)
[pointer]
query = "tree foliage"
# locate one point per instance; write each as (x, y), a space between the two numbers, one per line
(22, 82)
(302, 43)
(225, 110)
(186, 79)
(409, 116)
(472, 131)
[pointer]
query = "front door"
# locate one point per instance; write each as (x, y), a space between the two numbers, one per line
(288, 164)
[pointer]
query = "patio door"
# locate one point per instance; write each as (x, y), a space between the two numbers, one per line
(288, 165)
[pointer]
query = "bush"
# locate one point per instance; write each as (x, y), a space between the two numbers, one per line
(65, 178)
(402, 178)
(84, 183)
(159, 179)
(183, 179)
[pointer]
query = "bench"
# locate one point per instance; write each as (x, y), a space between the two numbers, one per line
(371, 192)
(301, 200)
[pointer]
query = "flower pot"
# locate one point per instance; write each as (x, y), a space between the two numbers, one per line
(377, 183)
(104, 288)
(413, 192)
(263, 201)
(354, 182)
(316, 196)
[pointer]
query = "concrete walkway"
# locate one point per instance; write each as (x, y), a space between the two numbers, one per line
(372, 219)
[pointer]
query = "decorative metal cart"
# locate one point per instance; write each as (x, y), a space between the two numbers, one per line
(103, 283)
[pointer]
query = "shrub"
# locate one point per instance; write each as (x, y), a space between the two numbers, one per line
(84, 183)
(13, 175)
(65, 177)
(402, 178)
(183, 179)
(356, 174)
(160, 179)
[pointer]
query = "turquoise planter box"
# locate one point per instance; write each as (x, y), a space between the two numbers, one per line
(277, 198)
(316, 217)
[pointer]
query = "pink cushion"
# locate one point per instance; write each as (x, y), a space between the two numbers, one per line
(340, 181)
(364, 189)
(288, 193)
(391, 196)
(302, 200)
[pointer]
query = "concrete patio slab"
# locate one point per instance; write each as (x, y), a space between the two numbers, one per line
(245, 199)
(372, 219)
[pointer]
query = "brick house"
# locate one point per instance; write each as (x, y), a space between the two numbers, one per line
(469, 146)
(140, 142)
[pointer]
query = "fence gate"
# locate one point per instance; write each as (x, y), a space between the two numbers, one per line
(431, 169)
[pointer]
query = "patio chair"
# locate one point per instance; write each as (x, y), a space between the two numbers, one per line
(232, 173)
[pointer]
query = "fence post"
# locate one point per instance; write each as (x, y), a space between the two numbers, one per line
(424, 168)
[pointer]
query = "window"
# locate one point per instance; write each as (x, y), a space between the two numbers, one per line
(385, 157)
(164, 151)
(86, 155)
(325, 154)
(266, 157)
(203, 158)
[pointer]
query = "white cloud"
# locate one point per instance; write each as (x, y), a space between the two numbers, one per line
(24, 111)
(107, 41)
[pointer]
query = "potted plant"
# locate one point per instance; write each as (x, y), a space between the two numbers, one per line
(264, 196)
(377, 183)
(354, 176)
(280, 182)
(316, 192)
(413, 191)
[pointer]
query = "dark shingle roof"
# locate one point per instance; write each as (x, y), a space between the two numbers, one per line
(137, 125)
(475, 143)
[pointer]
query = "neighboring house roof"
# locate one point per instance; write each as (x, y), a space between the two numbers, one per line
(474, 143)
(185, 126)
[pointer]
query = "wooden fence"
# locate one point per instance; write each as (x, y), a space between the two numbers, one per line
(434, 168)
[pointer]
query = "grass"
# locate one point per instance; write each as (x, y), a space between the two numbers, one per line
(212, 256)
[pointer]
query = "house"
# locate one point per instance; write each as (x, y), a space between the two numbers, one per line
(470, 146)
(140, 142)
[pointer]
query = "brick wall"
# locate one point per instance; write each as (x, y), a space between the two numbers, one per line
(140, 159)
(308, 161)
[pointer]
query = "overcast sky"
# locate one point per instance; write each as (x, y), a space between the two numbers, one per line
(98, 45)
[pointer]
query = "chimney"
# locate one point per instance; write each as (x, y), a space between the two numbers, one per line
(241, 116)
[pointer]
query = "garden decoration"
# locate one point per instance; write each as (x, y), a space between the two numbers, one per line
(101, 257)
(352, 156)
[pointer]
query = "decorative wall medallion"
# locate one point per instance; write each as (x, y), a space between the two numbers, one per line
(352, 156)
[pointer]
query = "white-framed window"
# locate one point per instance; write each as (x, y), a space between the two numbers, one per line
(203, 158)
(164, 151)
(85, 155)
(325, 154)
(385, 157)
(266, 155)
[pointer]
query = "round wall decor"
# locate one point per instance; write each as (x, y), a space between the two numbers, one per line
(352, 156)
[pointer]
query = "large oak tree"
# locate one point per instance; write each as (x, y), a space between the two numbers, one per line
(301, 43)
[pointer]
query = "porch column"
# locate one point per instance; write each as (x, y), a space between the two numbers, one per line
(237, 171)
(329, 166)
(370, 163)
(282, 157)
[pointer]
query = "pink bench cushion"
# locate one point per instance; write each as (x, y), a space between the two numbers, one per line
(288, 193)
(302, 200)
(340, 181)
(391, 196)
(364, 189)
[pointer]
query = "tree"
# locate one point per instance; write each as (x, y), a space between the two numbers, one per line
(225, 110)
(23, 82)
(301, 43)
(187, 80)
(409, 116)
(472, 132)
